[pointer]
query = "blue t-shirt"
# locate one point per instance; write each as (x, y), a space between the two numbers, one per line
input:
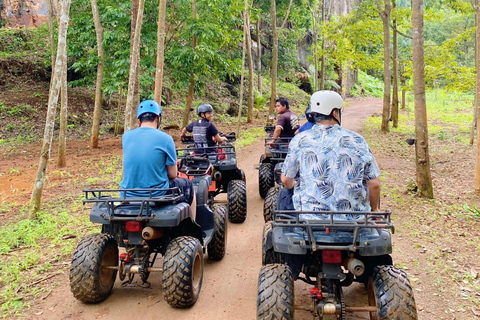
(146, 154)
(306, 126)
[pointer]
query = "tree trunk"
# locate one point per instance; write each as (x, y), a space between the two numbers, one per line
(395, 73)
(240, 102)
(403, 82)
(191, 87)
(273, 90)
(315, 48)
(477, 94)
(259, 57)
(98, 85)
(385, 15)
(136, 87)
(424, 180)
(250, 70)
(62, 134)
(135, 54)
(475, 100)
(61, 60)
(52, 36)
(160, 51)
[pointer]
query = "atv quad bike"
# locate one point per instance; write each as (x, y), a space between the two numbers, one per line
(329, 253)
(226, 177)
(275, 153)
(145, 227)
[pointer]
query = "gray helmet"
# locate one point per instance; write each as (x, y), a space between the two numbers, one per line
(204, 107)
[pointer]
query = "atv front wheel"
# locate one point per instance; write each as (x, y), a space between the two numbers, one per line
(216, 247)
(93, 273)
(266, 178)
(390, 291)
(237, 201)
(275, 293)
(270, 203)
(182, 272)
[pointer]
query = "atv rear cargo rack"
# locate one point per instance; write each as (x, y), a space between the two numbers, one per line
(363, 221)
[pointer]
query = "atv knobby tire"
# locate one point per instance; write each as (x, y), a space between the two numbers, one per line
(216, 247)
(270, 203)
(237, 201)
(275, 293)
(266, 178)
(182, 272)
(390, 291)
(269, 256)
(90, 281)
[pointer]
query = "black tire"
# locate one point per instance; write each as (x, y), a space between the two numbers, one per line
(243, 176)
(390, 291)
(275, 293)
(182, 272)
(90, 281)
(270, 203)
(216, 247)
(266, 178)
(269, 256)
(237, 201)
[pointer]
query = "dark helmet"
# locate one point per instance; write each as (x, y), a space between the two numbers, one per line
(204, 107)
(149, 106)
(308, 114)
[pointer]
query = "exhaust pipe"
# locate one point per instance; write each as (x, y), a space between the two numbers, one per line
(149, 233)
(355, 266)
(217, 176)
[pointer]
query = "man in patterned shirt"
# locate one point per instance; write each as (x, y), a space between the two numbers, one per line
(337, 171)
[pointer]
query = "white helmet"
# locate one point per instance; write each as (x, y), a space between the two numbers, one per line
(325, 101)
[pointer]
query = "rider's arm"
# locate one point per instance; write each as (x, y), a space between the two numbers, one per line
(276, 133)
(288, 183)
(219, 139)
(184, 130)
(172, 172)
(374, 193)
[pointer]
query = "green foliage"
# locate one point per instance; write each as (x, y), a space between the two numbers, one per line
(17, 111)
(247, 137)
(24, 42)
(367, 86)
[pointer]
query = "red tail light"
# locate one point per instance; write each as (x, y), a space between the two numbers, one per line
(315, 293)
(133, 226)
(332, 256)
(125, 257)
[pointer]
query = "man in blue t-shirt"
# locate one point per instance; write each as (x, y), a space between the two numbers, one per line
(205, 134)
(149, 157)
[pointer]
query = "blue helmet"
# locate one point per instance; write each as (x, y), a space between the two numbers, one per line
(149, 106)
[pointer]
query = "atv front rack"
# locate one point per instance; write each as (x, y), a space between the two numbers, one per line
(193, 165)
(335, 221)
(104, 196)
(278, 148)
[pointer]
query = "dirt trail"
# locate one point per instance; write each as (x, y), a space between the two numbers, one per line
(229, 288)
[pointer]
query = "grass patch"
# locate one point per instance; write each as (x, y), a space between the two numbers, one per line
(247, 137)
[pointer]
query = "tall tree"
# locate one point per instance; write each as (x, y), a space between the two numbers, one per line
(395, 71)
(477, 95)
(273, 13)
(244, 47)
(250, 66)
(424, 180)
(51, 37)
(130, 107)
(62, 134)
(191, 86)
(259, 56)
(61, 60)
(324, 60)
(162, 8)
(98, 84)
(385, 15)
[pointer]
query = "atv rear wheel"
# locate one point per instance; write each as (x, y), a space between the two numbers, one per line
(266, 178)
(216, 247)
(275, 293)
(182, 272)
(390, 291)
(92, 272)
(237, 201)
(269, 256)
(270, 203)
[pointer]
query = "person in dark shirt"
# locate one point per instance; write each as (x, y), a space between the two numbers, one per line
(205, 134)
(287, 122)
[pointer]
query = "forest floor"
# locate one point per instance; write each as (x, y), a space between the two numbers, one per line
(436, 241)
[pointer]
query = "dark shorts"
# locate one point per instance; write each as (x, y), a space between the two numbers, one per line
(285, 201)
(186, 188)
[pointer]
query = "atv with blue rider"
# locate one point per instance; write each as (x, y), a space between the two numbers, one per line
(145, 227)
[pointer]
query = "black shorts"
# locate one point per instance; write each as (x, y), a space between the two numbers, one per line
(285, 201)
(186, 188)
